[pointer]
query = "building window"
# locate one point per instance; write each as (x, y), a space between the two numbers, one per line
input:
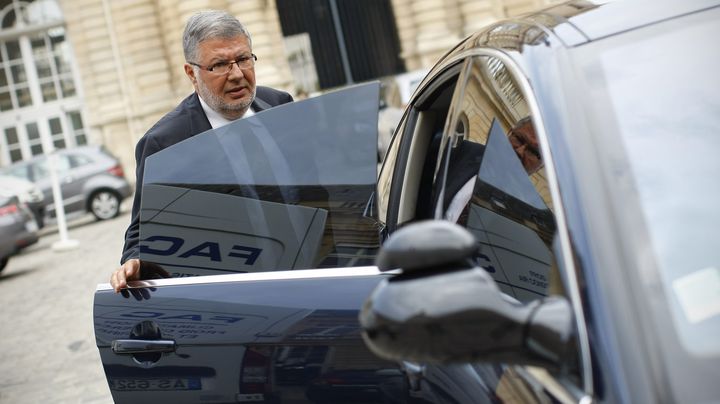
(78, 130)
(13, 144)
(38, 90)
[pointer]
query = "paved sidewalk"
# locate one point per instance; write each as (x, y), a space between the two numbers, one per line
(47, 343)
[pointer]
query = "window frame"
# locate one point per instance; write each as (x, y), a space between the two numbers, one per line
(564, 251)
(56, 55)
(406, 140)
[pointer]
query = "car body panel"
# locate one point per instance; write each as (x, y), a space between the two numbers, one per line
(302, 323)
(613, 17)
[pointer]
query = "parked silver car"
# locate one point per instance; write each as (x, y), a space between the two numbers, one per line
(18, 228)
(27, 193)
(91, 179)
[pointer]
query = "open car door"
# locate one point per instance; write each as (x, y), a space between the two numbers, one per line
(258, 203)
(283, 189)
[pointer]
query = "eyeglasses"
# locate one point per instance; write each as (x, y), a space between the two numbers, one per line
(518, 140)
(243, 63)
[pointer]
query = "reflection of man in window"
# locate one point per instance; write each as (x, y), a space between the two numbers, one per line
(465, 166)
(525, 143)
(501, 206)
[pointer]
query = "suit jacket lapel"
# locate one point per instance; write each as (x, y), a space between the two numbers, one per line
(259, 105)
(198, 120)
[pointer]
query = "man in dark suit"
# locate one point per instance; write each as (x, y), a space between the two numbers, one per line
(221, 66)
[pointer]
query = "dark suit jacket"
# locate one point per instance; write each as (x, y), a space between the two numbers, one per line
(186, 120)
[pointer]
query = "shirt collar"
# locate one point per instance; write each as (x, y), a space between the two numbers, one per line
(216, 120)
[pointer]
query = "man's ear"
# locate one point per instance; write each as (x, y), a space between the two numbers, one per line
(190, 72)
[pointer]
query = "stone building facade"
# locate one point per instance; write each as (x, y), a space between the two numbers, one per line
(128, 58)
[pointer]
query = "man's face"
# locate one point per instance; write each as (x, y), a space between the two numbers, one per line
(230, 94)
(525, 143)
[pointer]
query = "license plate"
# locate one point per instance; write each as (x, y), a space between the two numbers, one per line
(155, 384)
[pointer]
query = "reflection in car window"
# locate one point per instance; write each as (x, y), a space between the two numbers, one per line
(501, 170)
(77, 160)
(495, 182)
(495, 185)
(41, 169)
(21, 171)
(266, 193)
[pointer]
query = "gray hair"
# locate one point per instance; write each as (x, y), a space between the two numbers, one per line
(210, 24)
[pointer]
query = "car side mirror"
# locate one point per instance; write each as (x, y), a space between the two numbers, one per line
(442, 309)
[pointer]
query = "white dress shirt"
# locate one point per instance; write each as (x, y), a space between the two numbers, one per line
(216, 120)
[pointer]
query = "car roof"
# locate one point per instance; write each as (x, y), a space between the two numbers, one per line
(573, 23)
(599, 19)
(577, 22)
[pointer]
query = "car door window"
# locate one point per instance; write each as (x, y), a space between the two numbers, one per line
(41, 170)
(283, 189)
(495, 183)
(20, 171)
(408, 177)
(78, 160)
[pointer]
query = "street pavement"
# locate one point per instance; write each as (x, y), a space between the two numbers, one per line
(47, 343)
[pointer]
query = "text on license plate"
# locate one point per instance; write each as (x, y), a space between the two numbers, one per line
(155, 384)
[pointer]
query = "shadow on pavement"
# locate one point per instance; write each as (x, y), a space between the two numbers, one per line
(15, 274)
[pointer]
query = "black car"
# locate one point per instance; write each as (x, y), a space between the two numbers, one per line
(541, 231)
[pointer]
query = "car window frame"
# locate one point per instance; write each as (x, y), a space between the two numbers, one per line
(406, 137)
(78, 160)
(564, 253)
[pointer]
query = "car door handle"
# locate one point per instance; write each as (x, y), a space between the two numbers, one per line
(415, 373)
(136, 346)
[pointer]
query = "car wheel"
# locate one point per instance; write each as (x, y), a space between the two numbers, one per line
(3, 262)
(105, 205)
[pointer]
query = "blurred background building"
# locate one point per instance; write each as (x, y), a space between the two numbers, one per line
(74, 72)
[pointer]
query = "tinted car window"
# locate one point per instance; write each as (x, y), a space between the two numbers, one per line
(77, 160)
(495, 182)
(407, 182)
(41, 169)
(266, 193)
(20, 171)
(495, 185)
